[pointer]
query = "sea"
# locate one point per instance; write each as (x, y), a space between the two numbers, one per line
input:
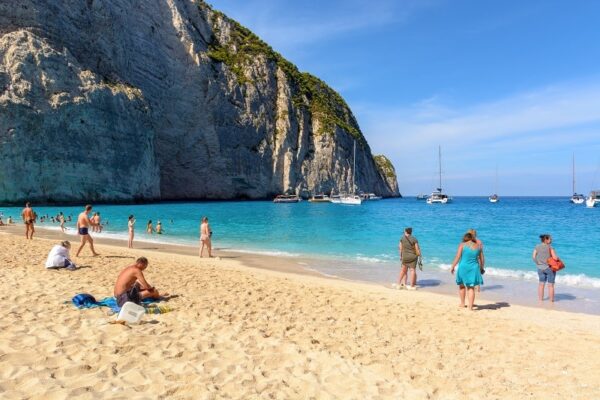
(361, 242)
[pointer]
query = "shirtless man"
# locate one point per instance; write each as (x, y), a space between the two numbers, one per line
(28, 218)
(132, 286)
(83, 226)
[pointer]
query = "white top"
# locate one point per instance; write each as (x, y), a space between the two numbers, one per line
(57, 257)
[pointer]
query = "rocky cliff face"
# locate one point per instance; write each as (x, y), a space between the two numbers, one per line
(118, 100)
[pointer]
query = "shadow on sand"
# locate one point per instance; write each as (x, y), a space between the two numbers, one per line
(491, 287)
(429, 282)
(494, 306)
(564, 296)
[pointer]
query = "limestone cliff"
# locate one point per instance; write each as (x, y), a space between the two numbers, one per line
(121, 100)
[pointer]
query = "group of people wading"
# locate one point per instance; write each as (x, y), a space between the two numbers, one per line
(469, 265)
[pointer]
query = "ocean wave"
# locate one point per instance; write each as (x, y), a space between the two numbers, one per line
(577, 280)
(266, 252)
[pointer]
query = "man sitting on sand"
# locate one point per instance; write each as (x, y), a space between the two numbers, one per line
(132, 286)
(83, 225)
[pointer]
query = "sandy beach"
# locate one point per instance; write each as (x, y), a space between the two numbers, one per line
(238, 331)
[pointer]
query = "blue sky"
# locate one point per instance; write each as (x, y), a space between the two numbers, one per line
(512, 84)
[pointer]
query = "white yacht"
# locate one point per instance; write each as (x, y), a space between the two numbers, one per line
(353, 198)
(319, 198)
(285, 198)
(370, 196)
(495, 198)
(593, 199)
(576, 198)
(438, 196)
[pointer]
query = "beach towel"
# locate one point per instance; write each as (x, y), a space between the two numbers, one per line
(84, 300)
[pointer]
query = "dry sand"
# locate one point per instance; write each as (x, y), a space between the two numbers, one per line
(242, 332)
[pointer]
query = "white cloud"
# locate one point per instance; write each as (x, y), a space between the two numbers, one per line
(524, 132)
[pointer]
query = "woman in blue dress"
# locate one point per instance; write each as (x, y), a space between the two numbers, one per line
(469, 258)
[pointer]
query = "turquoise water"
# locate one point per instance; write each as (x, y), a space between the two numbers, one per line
(361, 241)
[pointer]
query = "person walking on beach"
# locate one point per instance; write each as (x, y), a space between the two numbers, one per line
(469, 271)
(132, 286)
(28, 218)
(480, 243)
(541, 254)
(409, 255)
(130, 227)
(205, 234)
(149, 228)
(83, 225)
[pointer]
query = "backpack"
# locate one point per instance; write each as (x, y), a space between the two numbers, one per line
(83, 300)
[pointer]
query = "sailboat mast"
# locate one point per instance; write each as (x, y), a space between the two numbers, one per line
(354, 170)
(573, 173)
(440, 162)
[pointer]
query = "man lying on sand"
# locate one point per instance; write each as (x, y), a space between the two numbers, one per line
(132, 286)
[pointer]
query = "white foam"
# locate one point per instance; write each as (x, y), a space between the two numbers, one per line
(266, 252)
(579, 280)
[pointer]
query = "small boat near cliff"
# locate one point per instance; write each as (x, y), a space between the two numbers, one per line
(352, 199)
(319, 198)
(287, 198)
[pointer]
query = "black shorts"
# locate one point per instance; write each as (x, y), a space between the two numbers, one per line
(132, 295)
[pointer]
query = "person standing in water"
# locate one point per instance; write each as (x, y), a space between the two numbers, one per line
(83, 225)
(205, 234)
(61, 219)
(469, 271)
(149, 228)
(28, 218)
(541, 254)
(159, 230)
(409, 254)
(130, 227)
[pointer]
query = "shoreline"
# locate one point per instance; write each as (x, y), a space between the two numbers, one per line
(496, 289)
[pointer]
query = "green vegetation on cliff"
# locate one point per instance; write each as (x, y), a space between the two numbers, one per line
(243, 46)
(384, 165)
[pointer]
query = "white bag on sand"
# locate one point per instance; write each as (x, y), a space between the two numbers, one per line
(131, 313)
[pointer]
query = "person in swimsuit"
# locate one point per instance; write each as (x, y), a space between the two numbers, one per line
(132, 286)
(83, 225)
(149, 228)
(28, 218)
(409, 254)
(541, 254)
(61, 219)
(159, 228)
(205, 234)
(130, 227)
(469, 271)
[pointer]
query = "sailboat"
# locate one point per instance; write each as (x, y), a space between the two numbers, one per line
(438, 196)
(576, 198)
(494, 198)
(353, 198)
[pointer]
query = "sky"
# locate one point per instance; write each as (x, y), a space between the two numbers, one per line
(507, 86)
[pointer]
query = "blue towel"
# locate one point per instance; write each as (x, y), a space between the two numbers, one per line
(111, 303)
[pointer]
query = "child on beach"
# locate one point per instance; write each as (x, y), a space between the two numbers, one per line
(59, 257)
